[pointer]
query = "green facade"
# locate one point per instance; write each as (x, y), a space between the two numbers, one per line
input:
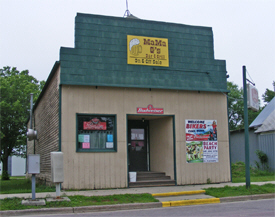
(100, 56)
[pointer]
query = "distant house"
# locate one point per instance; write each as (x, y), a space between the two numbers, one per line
(16, 166)
(261, 136)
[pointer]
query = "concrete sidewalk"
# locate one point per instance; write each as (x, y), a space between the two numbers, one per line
(169, 196)
(150, 190)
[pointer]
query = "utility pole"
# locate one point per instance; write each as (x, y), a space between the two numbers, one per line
(246, 131)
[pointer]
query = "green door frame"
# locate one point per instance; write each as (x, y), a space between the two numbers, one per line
(174, 142)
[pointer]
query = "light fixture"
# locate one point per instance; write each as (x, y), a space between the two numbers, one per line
(142, 119)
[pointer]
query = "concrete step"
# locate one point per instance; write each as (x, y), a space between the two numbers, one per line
(143, 178)
(151, 183)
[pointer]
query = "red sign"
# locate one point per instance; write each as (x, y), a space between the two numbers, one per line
(94, 124)
(150, 110)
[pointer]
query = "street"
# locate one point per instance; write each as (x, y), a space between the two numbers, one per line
(243, 208)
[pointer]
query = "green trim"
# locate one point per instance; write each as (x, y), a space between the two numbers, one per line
(59, 117)
(128, 178)
(230, 158)
(97, 150)
(174, 143)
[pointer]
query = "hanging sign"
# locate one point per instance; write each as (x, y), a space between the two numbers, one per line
(148, 51)
(252, 98)
(150, 110)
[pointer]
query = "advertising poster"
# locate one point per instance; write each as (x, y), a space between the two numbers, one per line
(201, 141)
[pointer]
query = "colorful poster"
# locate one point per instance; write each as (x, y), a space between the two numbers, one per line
(201, 141)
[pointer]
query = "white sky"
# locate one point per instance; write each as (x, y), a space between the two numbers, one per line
(32, 31)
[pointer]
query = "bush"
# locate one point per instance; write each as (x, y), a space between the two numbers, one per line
(263, 160)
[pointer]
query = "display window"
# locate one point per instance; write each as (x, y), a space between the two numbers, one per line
(96, 133)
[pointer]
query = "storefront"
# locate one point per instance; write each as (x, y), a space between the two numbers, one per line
(135, 96)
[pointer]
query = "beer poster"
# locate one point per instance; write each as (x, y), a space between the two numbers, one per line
(201, 141)
(148, 51)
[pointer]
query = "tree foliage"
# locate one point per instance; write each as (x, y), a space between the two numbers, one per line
(236, 108)
(269, 94)
(235, 105)
(15, 92)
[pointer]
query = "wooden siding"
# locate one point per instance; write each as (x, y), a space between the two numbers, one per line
(109, 170)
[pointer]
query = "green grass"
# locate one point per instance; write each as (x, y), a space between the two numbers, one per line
(229, 191)
(21, 185)
(15, 203)
(256, 175)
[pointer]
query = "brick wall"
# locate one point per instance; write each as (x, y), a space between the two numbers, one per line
(46, 122)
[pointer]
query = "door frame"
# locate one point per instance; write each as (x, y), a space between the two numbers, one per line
(140, 116)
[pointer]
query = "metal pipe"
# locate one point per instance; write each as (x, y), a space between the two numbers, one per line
(33, 186)
(31, 110)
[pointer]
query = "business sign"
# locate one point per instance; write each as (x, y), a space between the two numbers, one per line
(201, 141)
(94, 124)
(252, 98)
(150, 110)
(148, 51)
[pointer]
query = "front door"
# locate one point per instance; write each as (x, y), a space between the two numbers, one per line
(137, 145)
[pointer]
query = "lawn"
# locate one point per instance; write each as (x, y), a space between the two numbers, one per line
(231, 191)
(20, 184)
(256, 175)
(15, 203)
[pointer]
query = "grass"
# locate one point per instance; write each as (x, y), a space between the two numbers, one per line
(22, 185)
(229, 191)
(15, 203)
(256, 175)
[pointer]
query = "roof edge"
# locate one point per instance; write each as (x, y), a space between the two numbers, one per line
(54, 68)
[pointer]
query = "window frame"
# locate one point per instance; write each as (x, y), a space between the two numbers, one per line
(114, 149)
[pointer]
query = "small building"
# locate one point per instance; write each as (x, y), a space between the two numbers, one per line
(16, 166)
(134, 96)
(261, 137)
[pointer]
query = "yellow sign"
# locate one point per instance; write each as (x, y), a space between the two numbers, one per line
(147, 51)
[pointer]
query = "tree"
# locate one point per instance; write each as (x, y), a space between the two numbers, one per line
(235, 105)
(15, 89)
(269, 94)
(236, 108)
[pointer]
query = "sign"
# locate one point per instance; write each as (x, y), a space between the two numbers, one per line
(85, 145)
(150, 110)
(148, 51)
(201, 141)
(252, 98)
(94, 124)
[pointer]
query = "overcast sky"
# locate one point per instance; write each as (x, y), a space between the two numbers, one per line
(32, 31)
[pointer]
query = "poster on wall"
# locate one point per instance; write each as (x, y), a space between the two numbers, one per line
(201, 141)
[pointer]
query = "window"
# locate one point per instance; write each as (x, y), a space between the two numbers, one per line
(96, 133)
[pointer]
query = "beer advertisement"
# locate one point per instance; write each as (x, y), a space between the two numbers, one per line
(201, 141)
(148, 51)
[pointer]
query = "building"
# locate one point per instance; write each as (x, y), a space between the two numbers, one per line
(261, 137)
(134, 95)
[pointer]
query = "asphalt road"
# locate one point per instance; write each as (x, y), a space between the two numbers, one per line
(259, 208)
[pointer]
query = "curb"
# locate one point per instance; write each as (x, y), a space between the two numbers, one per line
(178, 193)
(190, 202)
(115, 207)
(247, 197)
(82, 209)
